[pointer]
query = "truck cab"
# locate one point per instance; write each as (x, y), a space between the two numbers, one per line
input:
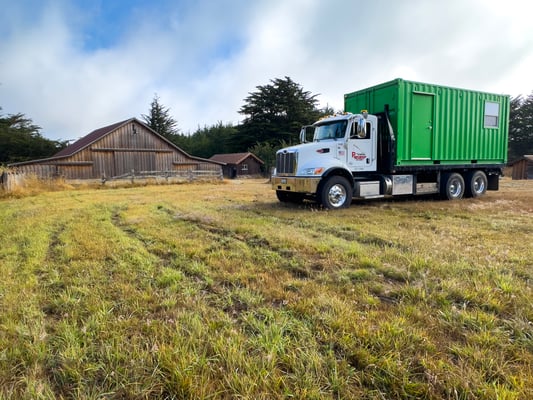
(350, 138)
(341, 145)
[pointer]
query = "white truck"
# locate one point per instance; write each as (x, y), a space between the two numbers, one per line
(414, 139)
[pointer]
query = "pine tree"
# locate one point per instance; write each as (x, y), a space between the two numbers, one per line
(275, 113)
(160, 120)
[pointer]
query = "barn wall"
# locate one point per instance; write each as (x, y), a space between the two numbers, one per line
(128, 148)
(41, 170)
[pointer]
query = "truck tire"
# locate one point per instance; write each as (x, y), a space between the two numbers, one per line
(335, 193)
(476, 184)
(452, 186)
(289, 197)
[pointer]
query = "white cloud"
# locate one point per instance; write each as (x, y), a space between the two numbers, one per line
(204, 57)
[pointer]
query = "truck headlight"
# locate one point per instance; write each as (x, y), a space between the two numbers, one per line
(313, 171)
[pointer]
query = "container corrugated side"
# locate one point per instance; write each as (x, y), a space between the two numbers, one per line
(453, 130)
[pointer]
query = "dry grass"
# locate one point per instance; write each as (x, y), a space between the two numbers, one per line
(219, 291)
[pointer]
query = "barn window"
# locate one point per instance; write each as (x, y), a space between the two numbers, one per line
(244, 167)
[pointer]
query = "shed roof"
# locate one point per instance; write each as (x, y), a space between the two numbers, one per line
(528, 157)
(234, 158)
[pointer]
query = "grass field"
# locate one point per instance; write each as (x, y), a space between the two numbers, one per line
(214, 291)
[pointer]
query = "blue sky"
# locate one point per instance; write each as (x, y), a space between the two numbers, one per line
(75, 66)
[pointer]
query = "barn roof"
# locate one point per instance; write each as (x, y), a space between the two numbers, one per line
(96, 135)
(528, 157)
(91, 138)
(234, 158)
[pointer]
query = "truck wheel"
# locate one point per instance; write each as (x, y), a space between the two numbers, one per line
(452, 186)
(476, 184)
(289, 197)
(336, 192)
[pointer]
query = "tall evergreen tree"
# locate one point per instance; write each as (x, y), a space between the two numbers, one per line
(208, 141)
(521, 127)
(160, 120)
(275, 113)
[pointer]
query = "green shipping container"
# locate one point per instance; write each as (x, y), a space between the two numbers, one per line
(437, 124)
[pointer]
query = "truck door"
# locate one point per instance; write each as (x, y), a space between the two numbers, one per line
(361, 154)
(422, 127)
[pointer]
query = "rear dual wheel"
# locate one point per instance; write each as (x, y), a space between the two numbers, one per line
(452, 186)
(476, 184)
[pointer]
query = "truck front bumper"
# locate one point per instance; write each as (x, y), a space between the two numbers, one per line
(295, 184)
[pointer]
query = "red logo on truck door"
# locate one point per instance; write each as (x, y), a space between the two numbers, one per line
(358, 156)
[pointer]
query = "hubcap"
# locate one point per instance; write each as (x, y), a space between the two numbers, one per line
(479, 185)
(337, 195)
(455, 188)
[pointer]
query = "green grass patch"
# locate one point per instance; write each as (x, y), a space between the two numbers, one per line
(218, 291)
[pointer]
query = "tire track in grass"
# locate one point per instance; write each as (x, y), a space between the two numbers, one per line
(49, 277)
(347, 233)
(53, 292)
(233, 296)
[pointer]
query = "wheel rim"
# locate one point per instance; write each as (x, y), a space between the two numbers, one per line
(456, 188)
(479, 185)
(337, 195)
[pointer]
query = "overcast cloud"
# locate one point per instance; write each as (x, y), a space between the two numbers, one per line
(74, 67)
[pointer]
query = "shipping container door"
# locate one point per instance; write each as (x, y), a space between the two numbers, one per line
(422, 127)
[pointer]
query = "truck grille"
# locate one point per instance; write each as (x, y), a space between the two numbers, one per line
(286, 162)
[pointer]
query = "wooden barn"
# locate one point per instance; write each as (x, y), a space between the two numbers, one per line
(523, 167)
(118, 150)
(239, 164)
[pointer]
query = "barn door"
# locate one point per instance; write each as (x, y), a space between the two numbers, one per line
(126, 161)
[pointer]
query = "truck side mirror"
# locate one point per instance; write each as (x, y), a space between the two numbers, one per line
(361, 128)
(302, 135)
(307, 133)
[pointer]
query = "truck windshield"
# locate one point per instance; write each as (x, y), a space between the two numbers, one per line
(330, 130)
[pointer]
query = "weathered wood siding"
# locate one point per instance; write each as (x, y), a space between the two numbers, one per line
(128, 148)
(249, 166)
(253, 167)
(523, 169)
(10, 180)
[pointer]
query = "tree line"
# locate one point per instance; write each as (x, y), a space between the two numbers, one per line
(21, 140)
(273, 115)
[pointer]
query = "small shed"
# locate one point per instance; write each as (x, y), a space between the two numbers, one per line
(523, 167)
(123, 148)
(239, 164)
